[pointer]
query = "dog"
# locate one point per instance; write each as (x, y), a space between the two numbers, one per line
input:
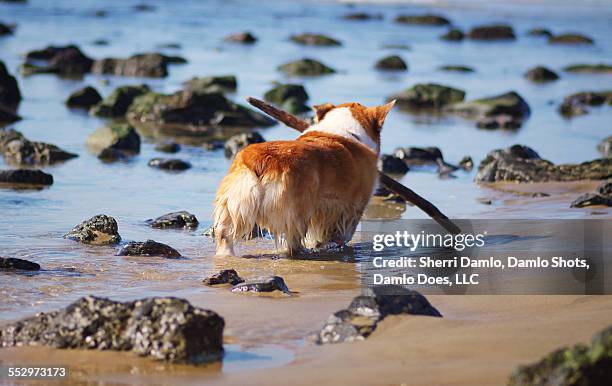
(310, 191)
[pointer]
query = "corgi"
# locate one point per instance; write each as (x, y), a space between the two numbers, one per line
(308, 192)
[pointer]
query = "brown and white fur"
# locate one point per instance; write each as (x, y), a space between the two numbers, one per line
(309, 191)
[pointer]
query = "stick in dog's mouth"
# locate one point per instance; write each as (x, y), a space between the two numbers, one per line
(408, 194)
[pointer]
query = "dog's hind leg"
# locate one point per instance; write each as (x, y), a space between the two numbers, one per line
(224, 239)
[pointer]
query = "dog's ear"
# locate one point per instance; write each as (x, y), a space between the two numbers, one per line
(380, 113)
(321, 110)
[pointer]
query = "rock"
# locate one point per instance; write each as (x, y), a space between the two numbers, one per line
(541, 74)
(84, 98)
(453, 35)
(62, 60)
(540, 32)
(168, 147)
(227, 276)
(144, 8)
(466, 163)
(6, 29)
(428, 96)
(393, 63)
(7, 115)
(418, 155)
(118, 102)
(392, 164)
(605, 147)
(169, 164)
(10, 96)
(576, 104)
(589, 68)
(510, 104)
(306, 67)
(601, 196)
(18, 150)
(110, 154)
(100, 42)
(263, 284)
(180, 219)
(522, 164)
(26, 176)
(362, 16)
(571, 366)
(224, 83)
(492, 32)
(148, 248)
(310, 39)
(98, 230)
(427, 19)
(151, 65)
(501, 121)
(120, 137)
(11, 264)
(195, 108)
(570, 39)
(239, 141)
(455, 68)
(169, 329)
(241, 37)
(170, 45)
(290, 97)
(361, 317)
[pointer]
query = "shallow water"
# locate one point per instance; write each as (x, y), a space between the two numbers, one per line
(32, 222)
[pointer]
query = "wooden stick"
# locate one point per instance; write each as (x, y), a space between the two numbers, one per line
(386, 181)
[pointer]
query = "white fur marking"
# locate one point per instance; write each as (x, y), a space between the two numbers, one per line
(340, 121)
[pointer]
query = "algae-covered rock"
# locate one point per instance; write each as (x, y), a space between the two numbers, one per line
(174, 164)
(239, 141)
(118, 102)
(222, 83)
(428, 96)
(13, 264)
(541, 74)
(62, 60)
(576, 104)
(168, 329)
(119, 136)
(391, 63)
(84, 98)
(98, 230)
(456, 68)
(151, 65)
(290, 97)
(600, 68)
(540, 32)
(168, 147)
(492, 32)
(21, 177)
(306, 67)
(148, 248)
(522, 164)
(426, 19)
(602, 196)
(570, 39)
(510, 103)
(453, 35)
(175, 220)
(362, 16)
(311, 39)
(18, 150)
(241, 37)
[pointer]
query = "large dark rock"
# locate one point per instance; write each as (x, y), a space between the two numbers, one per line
(118, 102)
(492, 32)
(227, 276)
(148, 248)
(602, 196)
(576, 104)
(62, 60)
(18, 150)
(499, 107)
(361, 317)
(10, 96)
(306, 67)
(12, 264)
(84, 98)
(6, 29)
(98, 230)
(25, 176)
(223, 83)
(239, 141)
(174, 164)
(580, 365)
(427, 19)
(600, 68)
(428, 96)
(262, 284)
(605, 147)
(241, 37)
(195, 108)
(169, 329)
(541, 74)
(418, 155)
(392, 164)
(7, 115)
(310, 39)
(115, 138)
(289, 97)
(453, 35)
(522, 164)
(392, 63)
(151, 65)
(168, 147)
(570, 39)
(180, 219)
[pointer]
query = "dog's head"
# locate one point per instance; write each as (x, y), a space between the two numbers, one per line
(356, 119)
